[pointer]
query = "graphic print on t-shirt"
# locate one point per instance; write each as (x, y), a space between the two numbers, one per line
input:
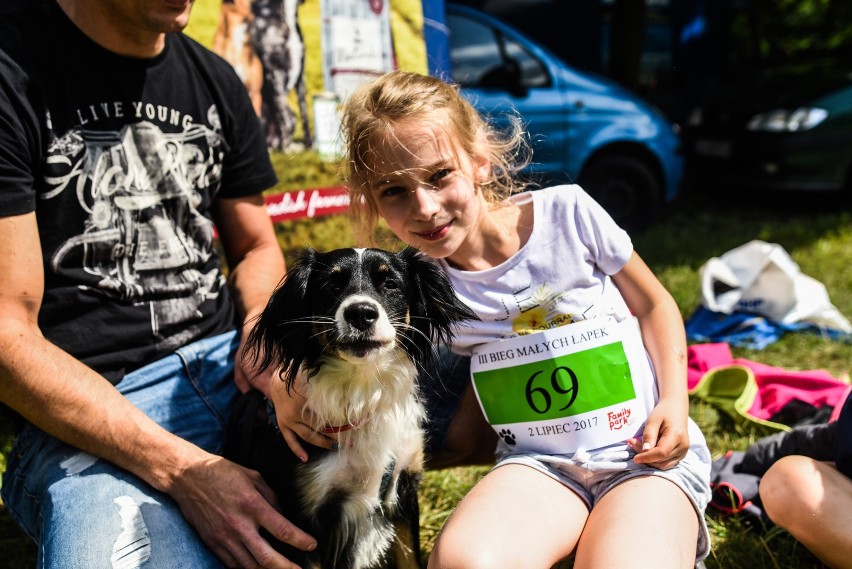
(539, 310)
(144, 239)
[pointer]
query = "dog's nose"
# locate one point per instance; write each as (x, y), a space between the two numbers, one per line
(361, 315)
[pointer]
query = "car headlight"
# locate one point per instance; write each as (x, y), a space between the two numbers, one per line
(782, 120)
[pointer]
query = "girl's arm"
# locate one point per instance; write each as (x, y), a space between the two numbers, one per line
(665, 440)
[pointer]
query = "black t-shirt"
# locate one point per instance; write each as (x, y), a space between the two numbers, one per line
(122, 159)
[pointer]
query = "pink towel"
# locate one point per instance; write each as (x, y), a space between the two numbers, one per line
(701, 358)
(777, 387)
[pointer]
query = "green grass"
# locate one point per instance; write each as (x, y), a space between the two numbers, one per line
(815, 231)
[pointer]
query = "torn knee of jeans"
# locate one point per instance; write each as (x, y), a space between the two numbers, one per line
(132, 547)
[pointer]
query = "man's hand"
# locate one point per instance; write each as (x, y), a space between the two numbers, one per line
(226, 504)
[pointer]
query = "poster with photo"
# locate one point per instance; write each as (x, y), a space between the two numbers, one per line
(299, 59)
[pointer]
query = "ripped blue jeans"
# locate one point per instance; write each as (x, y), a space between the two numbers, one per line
(85, 513)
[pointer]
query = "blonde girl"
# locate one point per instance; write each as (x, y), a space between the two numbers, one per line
(423, 160)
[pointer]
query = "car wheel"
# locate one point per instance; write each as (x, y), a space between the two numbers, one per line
(625, 187)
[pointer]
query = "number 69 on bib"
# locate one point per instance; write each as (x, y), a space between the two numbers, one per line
(551, 396)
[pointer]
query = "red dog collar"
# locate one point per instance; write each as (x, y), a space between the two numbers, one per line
(341, 428)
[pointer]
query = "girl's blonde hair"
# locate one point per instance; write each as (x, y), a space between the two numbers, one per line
(372, 112)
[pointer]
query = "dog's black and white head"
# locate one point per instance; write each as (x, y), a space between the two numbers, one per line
(356, 306)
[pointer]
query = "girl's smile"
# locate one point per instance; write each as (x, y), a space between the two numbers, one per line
(436, 234)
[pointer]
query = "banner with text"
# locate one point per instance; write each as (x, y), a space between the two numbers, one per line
(311, 203)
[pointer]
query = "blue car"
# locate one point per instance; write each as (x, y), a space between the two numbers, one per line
(584, 128)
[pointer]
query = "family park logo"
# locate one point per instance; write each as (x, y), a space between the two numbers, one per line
(618, 419)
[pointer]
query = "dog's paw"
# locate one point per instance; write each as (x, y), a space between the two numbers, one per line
(507, 437)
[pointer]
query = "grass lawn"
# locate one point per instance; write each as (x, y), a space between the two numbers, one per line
(816, 231)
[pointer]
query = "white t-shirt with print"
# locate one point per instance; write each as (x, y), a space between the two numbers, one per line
(561, 275)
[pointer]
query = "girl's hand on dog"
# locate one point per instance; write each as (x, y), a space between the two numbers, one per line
(294, 421)
(245, 375)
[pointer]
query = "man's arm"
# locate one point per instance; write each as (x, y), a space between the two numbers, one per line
(256, 267)
(68, 400)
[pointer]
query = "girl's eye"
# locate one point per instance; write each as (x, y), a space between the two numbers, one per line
(439, 175)
(392, 191)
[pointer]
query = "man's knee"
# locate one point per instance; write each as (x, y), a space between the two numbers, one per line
(123, 522)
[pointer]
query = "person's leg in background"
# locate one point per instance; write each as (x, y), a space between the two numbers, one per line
(813, 501)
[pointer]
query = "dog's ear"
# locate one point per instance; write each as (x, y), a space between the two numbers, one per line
(435, 310)
(280, 332)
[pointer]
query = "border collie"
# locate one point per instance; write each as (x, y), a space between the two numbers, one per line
(361, 325)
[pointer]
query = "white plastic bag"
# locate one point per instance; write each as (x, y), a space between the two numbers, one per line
(761, 278)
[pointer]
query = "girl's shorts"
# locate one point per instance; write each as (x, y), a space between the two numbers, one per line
(591, 476)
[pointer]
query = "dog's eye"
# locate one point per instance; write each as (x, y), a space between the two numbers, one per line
(391, 284)
(331, 288)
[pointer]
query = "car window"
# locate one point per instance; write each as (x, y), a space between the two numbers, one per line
(533, 72)
(478, 53)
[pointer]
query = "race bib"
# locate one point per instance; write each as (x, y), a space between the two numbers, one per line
(564, 389)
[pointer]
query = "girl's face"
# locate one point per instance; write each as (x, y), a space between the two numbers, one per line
(427, 189)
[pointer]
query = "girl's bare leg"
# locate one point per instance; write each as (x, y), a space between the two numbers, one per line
(646, 522)
(515, 517)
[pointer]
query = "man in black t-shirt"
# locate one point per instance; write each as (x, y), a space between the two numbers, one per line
(122, 142)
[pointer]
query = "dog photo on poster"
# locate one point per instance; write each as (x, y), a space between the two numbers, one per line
(300, 58)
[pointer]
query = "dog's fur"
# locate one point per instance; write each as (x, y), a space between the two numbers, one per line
(361, 325)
